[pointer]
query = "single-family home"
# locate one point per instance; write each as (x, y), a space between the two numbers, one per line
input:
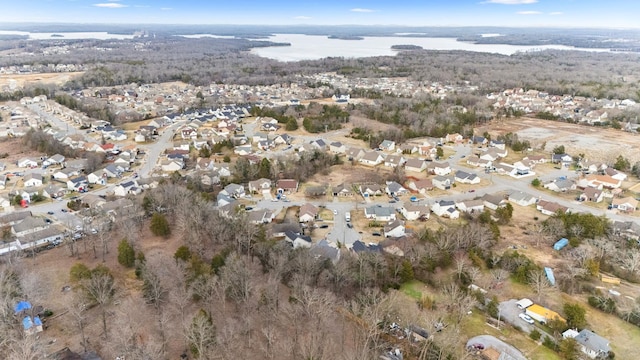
(27, 163)
(536, 159)
(439, 168)
(359, 247)
(387, 145)
(466, 178)
(372, 158)
(297, 240)
(324, 250)
(454, 138)
(550, 208)
(415, 165)
(260, 185)
(412, 211)
(493, 202)
(113, 170)
(592, 344)
(492, 154)
(354, 153)
(395, 189)
(421, 186)
(53, 191)
(337, 147)
(307, 213)
(599, 181)
(97, 177)
(393, 161)
(408, 149)
(236, 191)
(615, 174)
(283, 139)
(477, 161)
(78, 183)
(497, 144)
(592, 194)
(125, 188)
(626, 204)
(442, 182)
(319, 144)
(342, 190)
(591, 166)
(56, 159)
(260, 216)
(471, 206)
(368, 190)
(446, 209)
(170, 166)
(522, 198)
(564, 159)
(560, 185)
(479, 140)
(394, 229)
(286, 186)
(28, 225)
(33, 179)
(380, 213)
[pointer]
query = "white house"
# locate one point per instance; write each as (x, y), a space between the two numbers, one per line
(415, 165)
(372, 158)
(27, 163)
(522, 199)
(466, 178)
(442, 182)
(439, 168)
(445, 208)
(308, 212)
(260, 185)
(337, 147)
(394, 161)
(380, 213)
(470, 206)
(33, 180)
(412, 211)
(387, 145)
(394, 229)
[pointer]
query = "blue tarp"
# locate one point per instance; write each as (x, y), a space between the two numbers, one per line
(27, 323)
(550, 276)
(22, 305)
(37, 321)
(560, 244)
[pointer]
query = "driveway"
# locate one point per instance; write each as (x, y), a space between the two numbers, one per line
(509, 312)
(508, 352)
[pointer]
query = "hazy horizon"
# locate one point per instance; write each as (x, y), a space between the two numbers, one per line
(613, 14)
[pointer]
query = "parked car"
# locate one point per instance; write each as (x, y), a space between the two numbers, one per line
(335, 212)
(526, 318)
(63, 210)
(324, 226)
(50, 212)
(376, 234)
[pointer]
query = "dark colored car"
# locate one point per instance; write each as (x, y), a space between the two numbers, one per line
(50, 212)
(376, 234)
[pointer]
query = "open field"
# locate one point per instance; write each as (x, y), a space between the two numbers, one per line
(19, 80)
(597, 143)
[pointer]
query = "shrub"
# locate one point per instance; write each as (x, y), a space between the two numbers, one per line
(183, 253)
(79, 271)
(535, 335)
(160, 225)
(126, 254)
(548, 342)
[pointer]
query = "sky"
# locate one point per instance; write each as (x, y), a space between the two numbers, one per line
(516, 13)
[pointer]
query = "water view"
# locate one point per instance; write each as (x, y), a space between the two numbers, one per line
(312, 47)
(100, 35)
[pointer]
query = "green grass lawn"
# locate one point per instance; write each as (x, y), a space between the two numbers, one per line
(413, 289)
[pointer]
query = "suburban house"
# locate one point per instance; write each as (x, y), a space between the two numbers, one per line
(387, 145)
(236, 191)
(32, 180)
(56, 159)
(454, 138)
(372, 158)
(536, 159)
(421, 186)
(626, 204)
(395, 189)
(360, 247)
(65, 174)
(355, 153)
(591, 166)
(412, 211)
(563, 159)
(307, 213)
(442, 182)
(560, 185)
(380, 213)
(445, 208)
(79, 183)
(466, 178)
(493, 202)
(438, 168)
(415, 165)
(286, 186)
(394, 229)
(368, 190)
(28, 225)
(599, 181)
(592, 344)
(53, 191)
(342, 190)
(260, 185)
(550, 208)
(522, 199)
(408, 149)
(337, 147)
(477, 161)
(283, 139)
(324, 250)
(592, 194)
(615, 174)
(394, 161)
(97, 177)
(125, 188)
(471, 206)
(318, 144)
(479, 140)
(170, 166)
(497, 144)
(297, 240)
(260, 216)
(27, 163)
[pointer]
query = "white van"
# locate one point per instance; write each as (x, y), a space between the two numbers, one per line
(347, 216)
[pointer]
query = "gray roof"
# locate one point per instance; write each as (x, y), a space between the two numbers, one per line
(29, 223)
(519, 195)
(593, 341)
(13, 217)
(380, 211)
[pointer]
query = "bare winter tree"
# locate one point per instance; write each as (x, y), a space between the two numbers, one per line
(201, 335)
(101, 288)
(77, 309)
(539, 283)
(631, 261)
(25, 347)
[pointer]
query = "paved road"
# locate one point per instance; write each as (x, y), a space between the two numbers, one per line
(509, 352)
(509, 312)
(154, 150)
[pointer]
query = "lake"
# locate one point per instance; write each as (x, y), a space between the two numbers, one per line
(313, 47)
(67, 35)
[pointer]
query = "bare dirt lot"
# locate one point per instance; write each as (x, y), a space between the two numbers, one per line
(599, 144)
(20, 81)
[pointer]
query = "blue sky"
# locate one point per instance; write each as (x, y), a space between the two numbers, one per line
(554, 13)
